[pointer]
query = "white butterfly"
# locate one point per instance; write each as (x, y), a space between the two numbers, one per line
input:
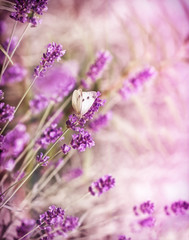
(83, 101)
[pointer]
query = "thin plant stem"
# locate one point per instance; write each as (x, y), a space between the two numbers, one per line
(45, 115)
(16, 190)
(44, 182)
(35, 228)
(20, 102)
(30, 145)
(12, 186)
(13, 52)
(8, 47)
(84, 196)
(27, 163)
(59, 110)
(36, 167)
(53, 117)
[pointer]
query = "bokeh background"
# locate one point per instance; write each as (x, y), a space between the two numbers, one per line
(145, 144)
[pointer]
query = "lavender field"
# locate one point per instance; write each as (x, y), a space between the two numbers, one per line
(94, 119)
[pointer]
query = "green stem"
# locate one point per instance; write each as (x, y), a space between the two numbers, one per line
(16, 190)
(8, 47)
(35, 228)
(13, 52)
(42, 182)
(20, 102)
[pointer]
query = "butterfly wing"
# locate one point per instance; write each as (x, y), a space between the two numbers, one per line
(88, 99)
(77, 100)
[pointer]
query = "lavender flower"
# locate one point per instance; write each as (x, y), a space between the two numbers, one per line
(123, 237)
(26, 10)
(62, 80)
(178, 207)
(54, 222)
(53, 216)
(103, 57)
(13, 74)
(42, 160)
(82, 140)
(147, 207)
(1, 94)
(38, 104)
(12, 144)
(50, 135)
(100, 122)
(70, 223)
(16, 139)
(102, 185)
(54, 52)
(6, 112)
(65, 148)
(1, 141)
(73, 173)
(25, 227)
(133, 84)
(147, 222)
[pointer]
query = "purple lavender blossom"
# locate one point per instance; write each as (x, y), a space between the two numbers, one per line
(123, 237)
(1, 94)
(50, 135)
(178, 207)
(12, 144)
(147, 207)
(72, 121)
(135, 210)
(96, 69)
(82, 141)
(100, 122)
(70, 223)
(133, 84)
(52, 216)
(13, 74)
(55, 218)
(102, 185)
(54, 52)
(147, 222)
(26, 10)
(6, 112)
(42, 160)
(166, 210)
(73, 173)
(25, 227)
(62, 80)
(65, 148)
(38, 104)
